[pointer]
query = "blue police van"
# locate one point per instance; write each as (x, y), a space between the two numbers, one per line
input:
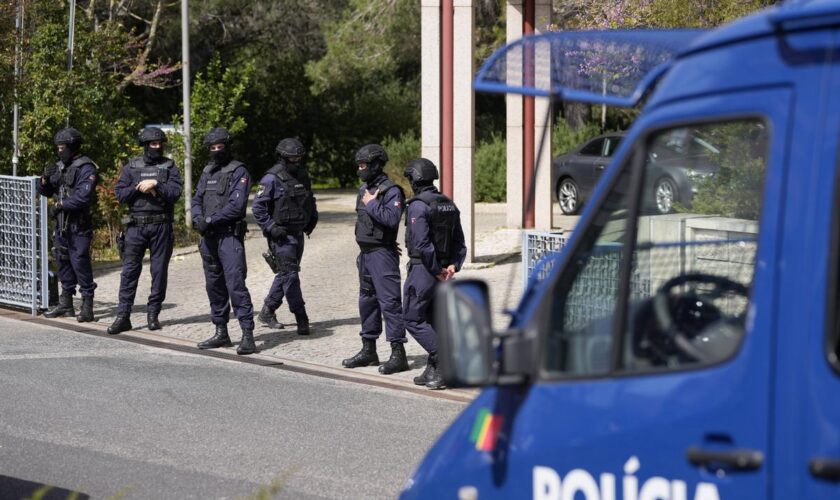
(683, 356)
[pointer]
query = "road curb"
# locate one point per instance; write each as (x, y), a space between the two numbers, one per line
(187, 346)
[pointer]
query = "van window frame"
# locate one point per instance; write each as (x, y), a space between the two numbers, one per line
(831, 341)
(635, 159)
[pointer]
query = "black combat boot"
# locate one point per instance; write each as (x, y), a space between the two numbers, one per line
(435, 378)
(302, 322)
(366, 357)
(220, 339)
(63, 308)
(86, 311)
(267, 317)
(424, 377)
(121, 324)
(247, 345)
(397, 362)
(152, 320)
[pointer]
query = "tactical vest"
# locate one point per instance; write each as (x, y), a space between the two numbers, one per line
(368, 231)
(293, 210)
(444, 217)
(68, 179)
(145, 203)
(217, 187)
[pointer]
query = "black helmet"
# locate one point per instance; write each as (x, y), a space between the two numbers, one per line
(69, 136)
(151, 134)
(217, 135)
(371, 153)
(288, 148)
(420, 170)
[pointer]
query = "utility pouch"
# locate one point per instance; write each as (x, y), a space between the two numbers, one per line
(240, 228)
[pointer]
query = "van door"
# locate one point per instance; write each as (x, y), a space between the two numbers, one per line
(807, 408)
(655, 377)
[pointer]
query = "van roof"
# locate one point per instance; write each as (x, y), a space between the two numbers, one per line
(791, 16)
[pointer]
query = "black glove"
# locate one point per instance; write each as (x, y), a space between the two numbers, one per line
(51, 171)
(54, 210)
(201, 226)
(277, 232)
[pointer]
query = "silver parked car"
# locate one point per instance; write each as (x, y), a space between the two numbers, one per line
(675, 163)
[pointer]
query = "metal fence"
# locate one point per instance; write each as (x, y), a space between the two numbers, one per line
(23, 244)
(537, 249)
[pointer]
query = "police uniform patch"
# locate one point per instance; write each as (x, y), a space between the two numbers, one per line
(244, 180)
(92, 178)
(414, 220)
(260, 190)
(397, 204)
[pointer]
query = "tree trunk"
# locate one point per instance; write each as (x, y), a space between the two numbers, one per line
(576, 114)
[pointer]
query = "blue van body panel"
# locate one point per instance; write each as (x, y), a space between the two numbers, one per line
(779, 393)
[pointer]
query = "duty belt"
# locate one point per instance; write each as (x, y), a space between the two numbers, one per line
(148, 219)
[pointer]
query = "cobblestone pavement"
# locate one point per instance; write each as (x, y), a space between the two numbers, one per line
(330, 287)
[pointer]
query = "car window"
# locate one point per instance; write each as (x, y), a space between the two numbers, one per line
(612, 145)
(594, 148)
(690, 271)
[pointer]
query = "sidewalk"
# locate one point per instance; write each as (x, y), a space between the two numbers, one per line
(330, 287)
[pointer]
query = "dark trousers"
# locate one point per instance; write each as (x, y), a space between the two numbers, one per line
(289, 249)
(158, 239)
(73, 260)
(224, 274)
(379, 294)
(417, 307)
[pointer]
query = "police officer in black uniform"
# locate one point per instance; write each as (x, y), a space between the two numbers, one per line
(218, 213)
(71, 182)
(379, 207)
(285, 209)
(436, 250)
(150, 185)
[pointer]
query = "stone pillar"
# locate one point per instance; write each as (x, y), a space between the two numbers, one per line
(543, 188)
(430, 80)
(464, 118)
(514, 130)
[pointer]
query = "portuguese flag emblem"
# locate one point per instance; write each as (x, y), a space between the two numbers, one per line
(485, 430)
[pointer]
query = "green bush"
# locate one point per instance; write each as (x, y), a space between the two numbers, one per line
(564, 138)
(401, 150)
(491, 169)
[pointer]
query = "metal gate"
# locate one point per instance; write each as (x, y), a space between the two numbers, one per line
(23, 244)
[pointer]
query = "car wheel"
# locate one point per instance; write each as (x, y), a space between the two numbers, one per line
(568, 197)
(664, 195)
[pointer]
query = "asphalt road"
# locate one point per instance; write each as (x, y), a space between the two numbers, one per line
(107, 418)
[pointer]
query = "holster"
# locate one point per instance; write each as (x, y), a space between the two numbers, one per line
(61, 253)
(210, 262)
(121, 245)
(271, 259)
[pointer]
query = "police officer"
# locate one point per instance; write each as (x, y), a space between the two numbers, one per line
(71, 182)
(218, 214)
(150, 185)
(285, 209)
(436, 249)
(379, 207)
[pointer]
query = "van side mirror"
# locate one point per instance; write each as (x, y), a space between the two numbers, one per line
(465, 333)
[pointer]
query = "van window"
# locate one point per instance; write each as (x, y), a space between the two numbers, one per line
(691, 269)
